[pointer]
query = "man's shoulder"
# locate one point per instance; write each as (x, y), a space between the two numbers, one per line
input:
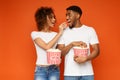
(88, 27)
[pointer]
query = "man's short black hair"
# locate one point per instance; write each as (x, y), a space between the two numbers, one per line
(75, 8)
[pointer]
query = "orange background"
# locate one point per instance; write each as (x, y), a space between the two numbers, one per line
(17, 51)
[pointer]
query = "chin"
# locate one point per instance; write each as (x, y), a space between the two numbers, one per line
(71, 26)
(52, 25)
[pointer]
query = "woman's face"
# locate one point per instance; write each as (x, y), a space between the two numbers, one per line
(51, 20)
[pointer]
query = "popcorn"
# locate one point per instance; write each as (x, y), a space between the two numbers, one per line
(53, 56)
(79, 51)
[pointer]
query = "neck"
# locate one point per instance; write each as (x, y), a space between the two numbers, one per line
(78, 24)
(46, 29)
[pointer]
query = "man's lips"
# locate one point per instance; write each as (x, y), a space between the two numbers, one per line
(68, 21)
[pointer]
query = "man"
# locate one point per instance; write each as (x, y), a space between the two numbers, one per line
(77, 34)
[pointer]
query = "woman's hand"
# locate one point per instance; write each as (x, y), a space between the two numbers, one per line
(62, 27)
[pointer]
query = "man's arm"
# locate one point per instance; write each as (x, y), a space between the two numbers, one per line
(66, 49)
(95, 52)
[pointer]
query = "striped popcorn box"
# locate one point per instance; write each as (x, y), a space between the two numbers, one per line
(78, 51)
(53, 56)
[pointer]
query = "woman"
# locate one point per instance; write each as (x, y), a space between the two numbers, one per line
(45, 39)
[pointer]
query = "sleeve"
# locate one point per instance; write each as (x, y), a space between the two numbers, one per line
(93, 37)
(34, 35)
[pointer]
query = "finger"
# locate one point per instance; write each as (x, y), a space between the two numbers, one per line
(74, 59)
(84, 44)
(75, 56)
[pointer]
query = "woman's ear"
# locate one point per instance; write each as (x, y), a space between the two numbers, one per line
(47, 17)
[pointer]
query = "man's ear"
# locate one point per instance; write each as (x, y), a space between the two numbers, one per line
(78, 16)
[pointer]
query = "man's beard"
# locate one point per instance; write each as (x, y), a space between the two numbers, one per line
(71, 26)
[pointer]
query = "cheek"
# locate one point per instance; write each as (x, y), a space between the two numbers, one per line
(73, 20)
(48, 22)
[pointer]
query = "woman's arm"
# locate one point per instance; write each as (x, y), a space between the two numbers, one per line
(50, 44)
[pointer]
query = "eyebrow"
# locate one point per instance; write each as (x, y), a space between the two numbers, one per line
(67, 14)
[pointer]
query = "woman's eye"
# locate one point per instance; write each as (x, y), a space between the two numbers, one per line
(50, 17)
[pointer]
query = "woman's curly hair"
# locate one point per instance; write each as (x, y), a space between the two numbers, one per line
(41, 16)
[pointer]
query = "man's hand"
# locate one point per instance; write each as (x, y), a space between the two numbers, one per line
(80, 59)
(79, 44)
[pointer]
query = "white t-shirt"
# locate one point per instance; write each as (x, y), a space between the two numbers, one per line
(85, 34)
(41, 53)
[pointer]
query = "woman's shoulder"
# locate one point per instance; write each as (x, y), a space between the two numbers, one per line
(34, 32)
(54, 32)
(39, 32)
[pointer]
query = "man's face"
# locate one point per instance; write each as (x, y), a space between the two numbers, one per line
(71, 18)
